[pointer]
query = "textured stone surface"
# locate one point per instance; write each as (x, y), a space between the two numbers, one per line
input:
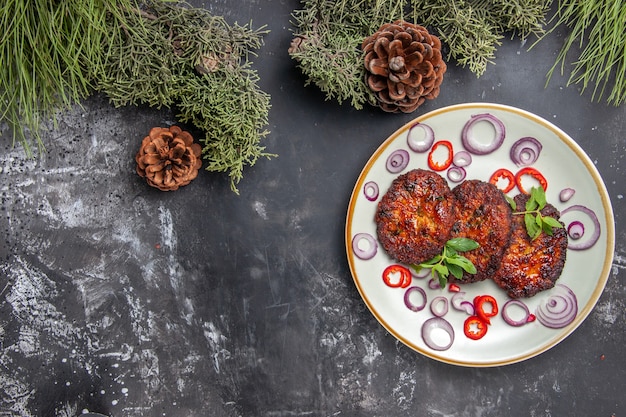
(118, 298)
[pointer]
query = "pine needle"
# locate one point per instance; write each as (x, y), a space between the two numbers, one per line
(159, 53)
(47, 62)
(328, 35)
(188, 59)
(597, 31)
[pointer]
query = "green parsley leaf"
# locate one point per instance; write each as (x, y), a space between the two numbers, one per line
(455, 270)
(552, 222)
(450, 262)
(463, 263)
(441, 270)
(539, 195)
(511, 201)
(462, 244)
(531, 204)
(534, 221)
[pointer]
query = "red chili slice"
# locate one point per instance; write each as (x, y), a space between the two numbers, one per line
(435, 165)
(505, 174)
(531, 172)
(474, 328)
(454, 288)
(397, 276)
(485, 307)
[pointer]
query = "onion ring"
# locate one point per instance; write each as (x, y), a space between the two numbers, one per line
(422, 273)
(420, 144)
(462, 159)
(575, 230)
(435, 323)
(456, 173)
(409, 303)
(370, 189)
(475, 147)
(559, 309)
(433, 284)
(397, 161)
(596, 227)
(509, 319)
(439, 306)
(459, 303)
(366, 253)
(566, 194)
(525, 151)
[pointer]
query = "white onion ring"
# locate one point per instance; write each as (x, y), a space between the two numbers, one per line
(595, 235)
(367, 253)
(566, 194)
(559, 309)
(422, 273)
(434, 323)
(433, 284)
(462, 158)
(525, 151)
(370, 189)
(459, 303)
(456, 173)
(397, 161)
(575, 230)
(507, 317)
(475, 147)
(420, 144)
(410, 304)
(439, 306)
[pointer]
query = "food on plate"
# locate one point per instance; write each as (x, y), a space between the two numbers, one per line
(414, 218)
(483, 215)
(419, 214)
(532, 265)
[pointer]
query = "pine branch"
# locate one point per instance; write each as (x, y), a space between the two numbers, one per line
(328, 35)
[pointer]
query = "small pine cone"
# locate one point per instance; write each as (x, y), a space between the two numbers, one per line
(168, 158)
(403, 66)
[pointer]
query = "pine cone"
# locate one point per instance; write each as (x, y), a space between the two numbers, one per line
(168, 158)
(403, 66)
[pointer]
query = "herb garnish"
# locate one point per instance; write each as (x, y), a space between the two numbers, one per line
(534, 221)
(449, 261)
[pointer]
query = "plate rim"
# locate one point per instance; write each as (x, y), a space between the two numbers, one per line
(591, 169)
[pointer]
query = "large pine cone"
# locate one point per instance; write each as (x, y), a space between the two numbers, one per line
(404, 66)
(168, 158)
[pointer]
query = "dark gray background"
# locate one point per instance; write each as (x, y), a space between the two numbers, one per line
(118, 298)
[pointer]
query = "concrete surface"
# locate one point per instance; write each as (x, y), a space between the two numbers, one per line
(121, 299)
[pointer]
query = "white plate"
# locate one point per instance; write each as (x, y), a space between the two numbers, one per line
(561, 161)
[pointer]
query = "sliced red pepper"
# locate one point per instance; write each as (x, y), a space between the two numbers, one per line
(440, 166)
(397, 276)
(485, 307)
(504, 174)
(454, 288)
(474, 327)
(531, 172)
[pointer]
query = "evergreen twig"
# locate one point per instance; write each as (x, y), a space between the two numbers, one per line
(159, 53)
(597, 35)
(50, 54)
(172, 56)
(328, 35)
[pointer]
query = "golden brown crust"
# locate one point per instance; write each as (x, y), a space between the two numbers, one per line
(529, 267)
(415, 216)
(419, 214)
(484, 215)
